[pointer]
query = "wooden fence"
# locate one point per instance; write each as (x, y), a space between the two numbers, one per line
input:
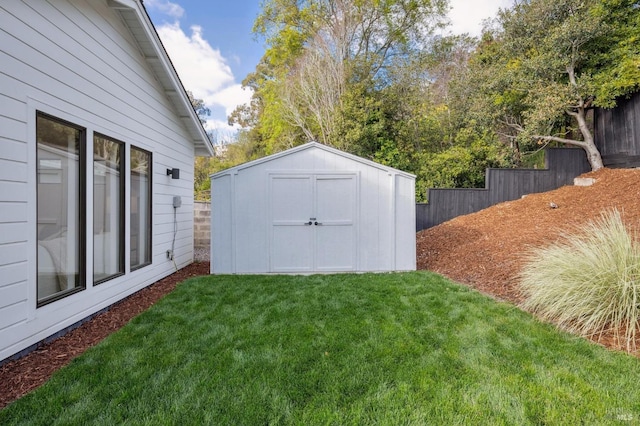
(617, 133)
(562, 165)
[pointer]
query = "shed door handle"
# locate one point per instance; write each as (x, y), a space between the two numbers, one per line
(308, 223)
(318, 223)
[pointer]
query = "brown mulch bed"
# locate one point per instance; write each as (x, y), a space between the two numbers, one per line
(20, 376)
(482, 250)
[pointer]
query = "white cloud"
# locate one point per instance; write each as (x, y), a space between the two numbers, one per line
(232, 96)
(221, 131)
(165, 7)
(467, 15)
(203, 70)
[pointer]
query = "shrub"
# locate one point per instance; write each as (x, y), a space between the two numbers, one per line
(587, 282)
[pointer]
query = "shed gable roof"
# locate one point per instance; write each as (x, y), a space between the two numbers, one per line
(137, 20)
(307, 146)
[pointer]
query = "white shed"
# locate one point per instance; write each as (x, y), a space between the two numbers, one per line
(312, 209)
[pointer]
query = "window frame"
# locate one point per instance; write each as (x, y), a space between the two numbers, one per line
(82, 215)
(121, 212)
(149, 219)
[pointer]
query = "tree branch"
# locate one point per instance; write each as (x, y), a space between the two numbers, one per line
(571, 113)
(561, 140)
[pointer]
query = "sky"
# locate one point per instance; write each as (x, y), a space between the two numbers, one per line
(213, 49)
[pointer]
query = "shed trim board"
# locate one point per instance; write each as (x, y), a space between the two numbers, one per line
(312, 209)
(72, 69)
(307, 146)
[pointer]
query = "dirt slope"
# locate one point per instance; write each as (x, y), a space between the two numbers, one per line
(484, 249)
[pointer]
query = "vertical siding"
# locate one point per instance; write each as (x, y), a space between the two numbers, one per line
(405, 234)
(222, 244)
(369, 224)
(76, 60)
(250, 221)
(376, 221)
(617, 133)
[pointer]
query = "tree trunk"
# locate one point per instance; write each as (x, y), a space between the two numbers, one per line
(589, 146)
(580, 114)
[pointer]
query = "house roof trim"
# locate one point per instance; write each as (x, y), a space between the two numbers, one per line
(136, 18)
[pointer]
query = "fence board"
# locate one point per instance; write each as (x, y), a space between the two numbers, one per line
(617, 133)
(563, 165)
(617, 136)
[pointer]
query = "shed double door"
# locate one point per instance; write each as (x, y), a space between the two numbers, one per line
(313, 222)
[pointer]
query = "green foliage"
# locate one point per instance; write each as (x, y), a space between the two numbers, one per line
(369, 77)
(241, 151)
(199, 107)
(362, 122)
(589, 282)
(400, 126)
(548, 62)
(459, 166)
(345, 349)
(617, 64)
(345, 44)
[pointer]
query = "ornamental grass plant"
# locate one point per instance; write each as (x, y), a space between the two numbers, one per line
(589, 281)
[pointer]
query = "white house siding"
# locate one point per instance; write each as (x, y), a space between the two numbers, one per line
(240, 237)
(76, 60)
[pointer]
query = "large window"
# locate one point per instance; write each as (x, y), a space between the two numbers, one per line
(62, 196)
(140, 214)
(108, 208)
(61, 227)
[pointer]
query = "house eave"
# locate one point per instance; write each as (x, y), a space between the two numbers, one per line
(136, 18)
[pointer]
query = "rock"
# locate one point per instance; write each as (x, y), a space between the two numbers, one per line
(581, 181)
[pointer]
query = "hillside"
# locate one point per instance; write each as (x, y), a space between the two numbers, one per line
(484, 249)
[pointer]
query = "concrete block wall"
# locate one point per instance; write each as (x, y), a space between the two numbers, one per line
(202, 228)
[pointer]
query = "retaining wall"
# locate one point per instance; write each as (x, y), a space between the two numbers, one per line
(201, 229)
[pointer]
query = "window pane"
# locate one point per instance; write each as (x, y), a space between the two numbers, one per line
(60, 225)
(140, 207)
(108, 209)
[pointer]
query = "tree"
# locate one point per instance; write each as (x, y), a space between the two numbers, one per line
(235, 152)
(199, 107)
(621, 57)
(546, 65)
(316, 50)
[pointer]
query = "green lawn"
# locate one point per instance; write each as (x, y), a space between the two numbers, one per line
(391, 349)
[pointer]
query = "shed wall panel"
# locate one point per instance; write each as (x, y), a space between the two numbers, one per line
(405, 235)
(376, 207)
(369, 248)
(251, 248)
(222, 225)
